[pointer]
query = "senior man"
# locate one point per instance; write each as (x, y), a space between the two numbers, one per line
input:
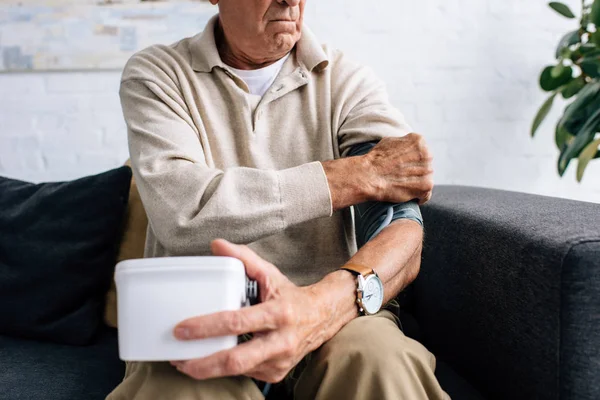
(243, 132)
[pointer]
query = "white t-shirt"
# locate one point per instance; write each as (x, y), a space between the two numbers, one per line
(260, 80)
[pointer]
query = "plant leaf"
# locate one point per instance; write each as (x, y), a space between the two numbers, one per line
(542, 114)
(561, 136)
(595, 13)
(557, 71)
(569, 39)
(573, 87)
(584, 105)
(587, 47)
(562, 9)
(585, 157)
(595, 37)
(592, 55)
(549, 83)
(590, 68)
(583, 50)
(583, 137)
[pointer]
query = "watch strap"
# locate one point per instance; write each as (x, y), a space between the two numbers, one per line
(359, 269)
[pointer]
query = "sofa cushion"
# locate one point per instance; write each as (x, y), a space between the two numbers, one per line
(58, 245)
(41, 370)
(132, 246)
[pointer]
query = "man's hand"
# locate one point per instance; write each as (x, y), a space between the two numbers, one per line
(402, 169)
(289, 323)
(397, 170)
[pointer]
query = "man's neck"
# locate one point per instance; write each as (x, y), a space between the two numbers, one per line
(236, 58)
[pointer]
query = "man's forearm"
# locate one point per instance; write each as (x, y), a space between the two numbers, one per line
(396, 170)
(396, 256)
(349, 182)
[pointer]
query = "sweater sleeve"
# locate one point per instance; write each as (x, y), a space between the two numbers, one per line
(362, 111)
(190, 203)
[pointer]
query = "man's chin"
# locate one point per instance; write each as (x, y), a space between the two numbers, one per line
(286, 41)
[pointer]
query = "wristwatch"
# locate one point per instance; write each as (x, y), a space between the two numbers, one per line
(369, 290)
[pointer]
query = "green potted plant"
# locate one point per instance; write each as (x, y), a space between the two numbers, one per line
(576, 76)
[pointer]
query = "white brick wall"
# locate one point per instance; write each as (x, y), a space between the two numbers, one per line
(464, 72)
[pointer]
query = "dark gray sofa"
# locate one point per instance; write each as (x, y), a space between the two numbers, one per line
(508, 299)
(509, 292)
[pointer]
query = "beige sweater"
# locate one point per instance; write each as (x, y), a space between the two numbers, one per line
(210, 166)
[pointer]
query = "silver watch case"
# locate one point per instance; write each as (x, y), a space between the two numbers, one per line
(362, 283)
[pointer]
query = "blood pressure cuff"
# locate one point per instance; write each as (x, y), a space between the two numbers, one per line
(372, 217)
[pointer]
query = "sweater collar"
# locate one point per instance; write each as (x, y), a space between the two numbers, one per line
(205, 55)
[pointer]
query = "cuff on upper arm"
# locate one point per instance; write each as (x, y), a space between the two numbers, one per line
(408, 210)
(370, 218)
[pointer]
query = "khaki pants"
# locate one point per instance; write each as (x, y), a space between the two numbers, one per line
(370, 358)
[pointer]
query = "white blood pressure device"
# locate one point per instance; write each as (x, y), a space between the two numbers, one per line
(156, 294)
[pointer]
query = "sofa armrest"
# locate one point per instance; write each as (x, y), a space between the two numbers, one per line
(509, 292)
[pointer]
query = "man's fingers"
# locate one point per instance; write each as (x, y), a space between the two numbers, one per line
(257, 318)
(425, 199)
(237, 361)
(256, 267)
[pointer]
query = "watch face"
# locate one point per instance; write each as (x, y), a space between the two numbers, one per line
(372, 294)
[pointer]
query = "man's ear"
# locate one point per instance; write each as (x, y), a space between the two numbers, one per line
(214, 2)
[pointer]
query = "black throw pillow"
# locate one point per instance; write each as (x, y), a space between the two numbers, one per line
(58, 246)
